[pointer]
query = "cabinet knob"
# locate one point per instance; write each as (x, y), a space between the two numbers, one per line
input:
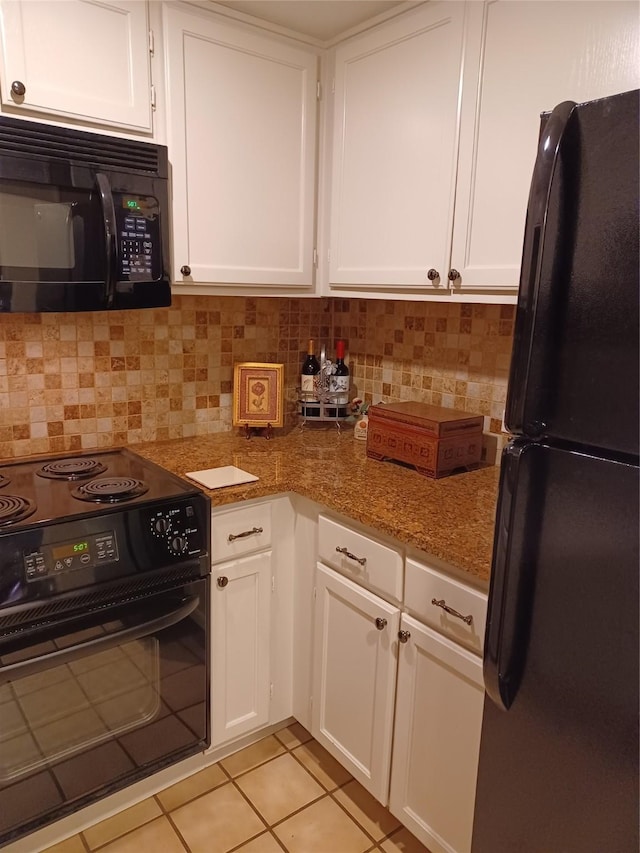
(432, 275)
(222, 581)
(452, 275)
(185, 269)
(403, 636)
(18, 88)
(381, 623)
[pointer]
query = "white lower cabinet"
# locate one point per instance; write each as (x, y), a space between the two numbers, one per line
(241, 627)
(355, 659)
(436, 743)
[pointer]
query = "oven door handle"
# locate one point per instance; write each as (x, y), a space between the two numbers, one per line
(22, 669)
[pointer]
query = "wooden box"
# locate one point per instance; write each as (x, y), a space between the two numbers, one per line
(435, 440)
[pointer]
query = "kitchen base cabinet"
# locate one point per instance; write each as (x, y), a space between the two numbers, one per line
(355, 656)
(436, 744)
(241, 627)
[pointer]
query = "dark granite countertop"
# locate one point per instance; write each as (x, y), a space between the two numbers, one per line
(451, 518)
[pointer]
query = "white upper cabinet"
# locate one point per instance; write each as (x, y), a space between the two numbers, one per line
(436, 120)
(523, 58)
(242, 143)
(77, 59)
(394, 150)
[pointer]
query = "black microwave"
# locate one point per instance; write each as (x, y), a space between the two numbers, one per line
(83, 220)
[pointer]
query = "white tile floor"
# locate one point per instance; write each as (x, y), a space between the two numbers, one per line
(284, 792)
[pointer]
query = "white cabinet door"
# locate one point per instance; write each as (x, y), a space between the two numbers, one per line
(394, 150)
(240, 677)
(523, 58)
(242, 142)
(355, 657)
(78, 59)
(437, 739)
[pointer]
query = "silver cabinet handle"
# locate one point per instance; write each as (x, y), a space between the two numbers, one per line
(381, 623)
(441, 603)
(361, 560)
(453, 275)
(403, 636)
(222, 581)
(233, 536)
(433, 274)
(18, 88)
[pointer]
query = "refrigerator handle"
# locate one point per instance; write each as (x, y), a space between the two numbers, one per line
(508, 610)
(524, 371)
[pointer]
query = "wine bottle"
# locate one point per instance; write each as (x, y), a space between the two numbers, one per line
(309, 383)
(339, 383)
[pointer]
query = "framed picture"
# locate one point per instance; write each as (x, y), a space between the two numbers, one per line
(258, 395)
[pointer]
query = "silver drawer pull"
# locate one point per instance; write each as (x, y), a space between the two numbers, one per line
(466, 619)
(361, 560)
(234, 536)
(381, 623)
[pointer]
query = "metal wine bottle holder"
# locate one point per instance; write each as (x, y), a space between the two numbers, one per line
(321, 405)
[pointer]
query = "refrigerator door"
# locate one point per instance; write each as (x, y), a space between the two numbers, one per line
(574, 370)
(559, 767)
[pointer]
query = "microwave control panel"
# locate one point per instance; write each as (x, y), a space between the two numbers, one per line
(138, 222)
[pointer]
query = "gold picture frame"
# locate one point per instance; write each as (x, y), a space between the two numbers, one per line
(258, 399)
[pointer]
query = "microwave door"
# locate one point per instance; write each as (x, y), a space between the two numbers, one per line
(52, 248)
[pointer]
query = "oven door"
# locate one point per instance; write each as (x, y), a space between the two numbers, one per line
(93, 703)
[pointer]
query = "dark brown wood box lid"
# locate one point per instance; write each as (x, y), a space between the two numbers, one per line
(434, 420)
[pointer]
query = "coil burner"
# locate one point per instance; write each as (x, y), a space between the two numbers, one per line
(71, 469)
(14, 508)
(110, 490)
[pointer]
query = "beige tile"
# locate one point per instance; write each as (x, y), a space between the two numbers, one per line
(69, 845)
(123, 822)
(192, 787)
(323, 766)
(372, 816)
(157, 835)
(264, 843)
(403, 842)
(279, 788)
(321, 828)
(217, 821)
(294, 735)
(252, 756)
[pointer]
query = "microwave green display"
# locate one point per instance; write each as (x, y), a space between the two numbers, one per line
(69, 549)
(132, 204)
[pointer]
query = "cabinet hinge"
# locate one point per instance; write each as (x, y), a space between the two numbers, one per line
(333, 86)
(318, 90)
(314, 592)
(151, 43)
(315, 257)
(273, 583)
(153, 97)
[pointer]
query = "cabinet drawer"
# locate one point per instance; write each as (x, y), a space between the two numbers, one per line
(424, 586)
(365, 560)
(240, 531)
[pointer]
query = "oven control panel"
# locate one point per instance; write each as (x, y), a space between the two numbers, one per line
(84, 552)
(176, 528)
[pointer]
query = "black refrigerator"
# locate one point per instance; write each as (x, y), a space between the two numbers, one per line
(558, 768)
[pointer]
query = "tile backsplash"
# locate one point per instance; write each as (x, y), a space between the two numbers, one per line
(81, 381)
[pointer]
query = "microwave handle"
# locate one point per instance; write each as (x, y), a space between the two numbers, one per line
(110, 234)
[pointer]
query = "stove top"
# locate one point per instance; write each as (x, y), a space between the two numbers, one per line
(44, 490)
(84, 525)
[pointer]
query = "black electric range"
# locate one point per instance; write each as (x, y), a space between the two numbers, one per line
(73, 522)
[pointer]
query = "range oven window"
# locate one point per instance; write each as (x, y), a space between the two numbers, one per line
(99, 703)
